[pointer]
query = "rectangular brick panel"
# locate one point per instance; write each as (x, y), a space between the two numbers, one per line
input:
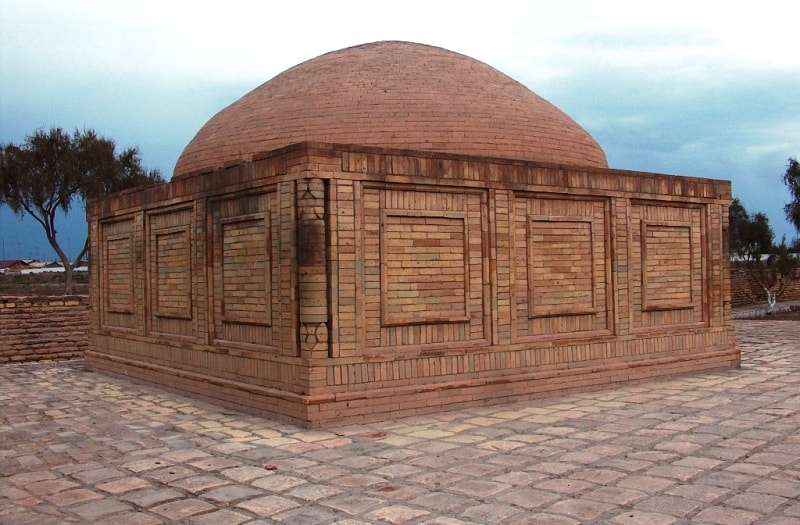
(560, 255)
(423, 275)
(246, 271)
(244, 274)
(424, 267)
(117, 274)
(667, 265)
(170, 272)
(667, 262)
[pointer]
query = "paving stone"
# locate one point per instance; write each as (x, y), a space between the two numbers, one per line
(395, 514)
(636, 517)
(362, 481)
(181, 456)
(778, 487)
(146, 464)
(220, 517)
(581, 509)
(442, 502)
(182, 509)
(761, 503)
(475, 470)
(245, 473)
(353, 504)
(267, 505)
(543, 519)
(314, 492)
(328, 472)
(479, 488)
(123, 485)
(231, 494)
(619, 496)
(520, 478)
(137, 518)
(645, 483)
(50, 486)
(169, 474)
(97, 475)
(396, 471)
(197, 484)
(94, 510)
(726, 479)
(213, 464)
(71, 497)
(725, 515)
(149, 497)
(669, 505)
(277, 482)
(309, 516)
(702, 493)
(564, 486)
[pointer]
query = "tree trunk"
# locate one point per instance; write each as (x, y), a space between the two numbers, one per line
(67, 278)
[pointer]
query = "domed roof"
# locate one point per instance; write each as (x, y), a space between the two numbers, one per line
(394, 94)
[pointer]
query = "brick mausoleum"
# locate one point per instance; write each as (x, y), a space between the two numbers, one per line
(394, 229)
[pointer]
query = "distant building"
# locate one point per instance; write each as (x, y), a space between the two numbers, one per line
(13, 266)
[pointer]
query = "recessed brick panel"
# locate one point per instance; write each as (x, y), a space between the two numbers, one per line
(666, 265)
(667, 260)
(424, 267)
(246, 270)
(560, 267)
(423, 275)
(117, 274)
(170, 272)
(560, 253)
(244, 273)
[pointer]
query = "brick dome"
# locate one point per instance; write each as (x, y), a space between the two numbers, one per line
(393, 94)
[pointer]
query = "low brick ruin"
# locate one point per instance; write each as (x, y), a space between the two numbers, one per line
(339, 266)
(42, 328)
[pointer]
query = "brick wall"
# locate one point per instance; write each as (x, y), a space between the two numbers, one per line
(745, 291)
(326, 282)
(37, 328)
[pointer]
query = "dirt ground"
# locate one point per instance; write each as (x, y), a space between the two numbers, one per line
(41, 285)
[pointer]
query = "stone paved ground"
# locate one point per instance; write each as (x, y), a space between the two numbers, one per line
(713, 448)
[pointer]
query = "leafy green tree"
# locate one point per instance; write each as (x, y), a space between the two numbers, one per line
(750, 234)
(53, 170)
(772, 266)
(792, 179)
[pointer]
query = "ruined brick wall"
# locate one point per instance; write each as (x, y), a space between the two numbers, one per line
(37, 328)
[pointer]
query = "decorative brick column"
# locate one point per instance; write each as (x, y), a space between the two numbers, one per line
(312, 269)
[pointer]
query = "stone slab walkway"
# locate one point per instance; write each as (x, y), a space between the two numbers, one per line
(80, 447)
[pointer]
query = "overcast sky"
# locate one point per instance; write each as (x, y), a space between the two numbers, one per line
(676, 87)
